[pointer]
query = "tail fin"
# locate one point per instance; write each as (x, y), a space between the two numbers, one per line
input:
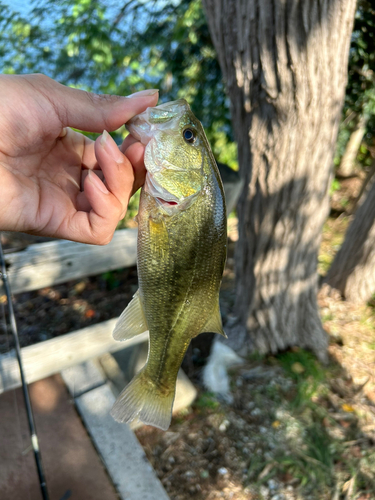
(141, 398)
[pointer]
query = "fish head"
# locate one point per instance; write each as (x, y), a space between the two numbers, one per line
(174, 155)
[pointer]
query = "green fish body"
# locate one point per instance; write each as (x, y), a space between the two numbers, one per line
(182, 239)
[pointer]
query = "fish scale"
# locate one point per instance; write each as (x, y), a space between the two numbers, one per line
(180, 256)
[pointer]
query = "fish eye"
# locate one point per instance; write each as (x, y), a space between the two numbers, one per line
(189, 135)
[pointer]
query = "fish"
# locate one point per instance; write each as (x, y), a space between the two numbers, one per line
(181, 253)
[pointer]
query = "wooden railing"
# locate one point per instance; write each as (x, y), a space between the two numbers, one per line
(47, 264)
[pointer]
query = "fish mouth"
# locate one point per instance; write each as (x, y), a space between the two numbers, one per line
(139, 130)
(143, 126)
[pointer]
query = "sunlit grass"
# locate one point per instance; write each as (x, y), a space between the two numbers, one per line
(332, 238)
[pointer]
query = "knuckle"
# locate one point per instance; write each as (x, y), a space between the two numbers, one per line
(100, 103)
(39, 77)
(100, 99)
(105, 239)
(102, 237)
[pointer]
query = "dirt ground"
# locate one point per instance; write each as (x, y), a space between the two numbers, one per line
(295, 430)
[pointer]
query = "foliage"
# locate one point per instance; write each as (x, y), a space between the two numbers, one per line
(317, 444)
(105, 47)
(102, 47)
(306, 371)
(313, 464)
(111, 279)
(335, 186)
(131, 212)
(312, 457)
(360, 97)
(360, 92)
(332, 238)
(207, 402)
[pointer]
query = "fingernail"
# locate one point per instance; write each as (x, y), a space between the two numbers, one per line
(110, 147)
(97, 182)
(143, 93)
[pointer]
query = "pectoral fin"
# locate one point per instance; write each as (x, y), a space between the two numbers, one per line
(214, 323)
(132, 320)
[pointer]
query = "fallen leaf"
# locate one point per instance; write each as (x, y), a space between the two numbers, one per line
(79, 287)
(266, 471)
(348, 408)
(348, 487)
(344, 423)
(326, 422)
(297, 368)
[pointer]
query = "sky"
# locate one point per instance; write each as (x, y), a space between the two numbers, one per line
(22, 6)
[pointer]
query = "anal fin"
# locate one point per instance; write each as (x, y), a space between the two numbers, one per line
(132, 321)
(214, 323)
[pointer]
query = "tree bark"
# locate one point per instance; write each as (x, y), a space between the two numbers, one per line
(353, 269)
(347, 163)
(364, 189)
(285, 67)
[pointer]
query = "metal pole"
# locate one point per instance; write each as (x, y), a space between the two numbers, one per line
(29, 411)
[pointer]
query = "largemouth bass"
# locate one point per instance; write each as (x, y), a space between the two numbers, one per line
(181, 254)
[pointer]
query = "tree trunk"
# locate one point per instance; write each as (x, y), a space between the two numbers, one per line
(285, 67)
(353, 269)
(363, 190)
(347, 163)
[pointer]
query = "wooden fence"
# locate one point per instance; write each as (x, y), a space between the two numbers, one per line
(47, 264)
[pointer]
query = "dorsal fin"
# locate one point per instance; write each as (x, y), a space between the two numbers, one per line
(132, 321)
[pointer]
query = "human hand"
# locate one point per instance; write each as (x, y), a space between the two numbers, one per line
(48, 181)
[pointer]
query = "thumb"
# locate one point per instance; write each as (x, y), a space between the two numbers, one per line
(97, 112)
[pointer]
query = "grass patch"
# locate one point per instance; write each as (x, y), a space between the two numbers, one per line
(317, 447)
(313, 462)
(256, 356)
(207, 401)
(332, 238)
(306, 371)
(112, 279)
(311, 452)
